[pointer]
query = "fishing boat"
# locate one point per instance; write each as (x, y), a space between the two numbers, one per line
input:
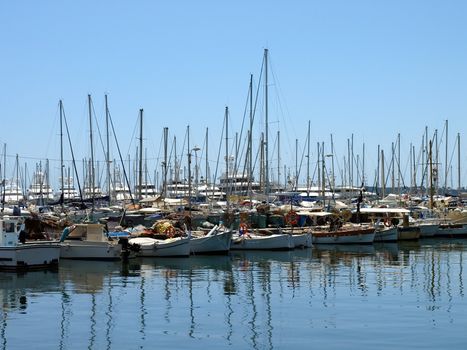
(452, 230)
(408, 233)
(216, 241)
(252, 241)
(348, 234)
(88, 242)
(152, 247)
(300, 238)
(17, 254)
(384, 233)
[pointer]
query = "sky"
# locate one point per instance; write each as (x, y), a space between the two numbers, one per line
(367, 70)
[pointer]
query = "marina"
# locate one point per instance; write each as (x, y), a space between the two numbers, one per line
(352, 296)
(233, 175)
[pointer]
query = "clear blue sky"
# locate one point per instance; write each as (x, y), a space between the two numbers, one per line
(368, 68)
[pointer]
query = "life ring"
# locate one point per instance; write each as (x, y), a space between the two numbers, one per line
(243, 228)
(291, 218)
(387, 222)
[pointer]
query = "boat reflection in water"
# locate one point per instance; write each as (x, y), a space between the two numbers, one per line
(257, 300)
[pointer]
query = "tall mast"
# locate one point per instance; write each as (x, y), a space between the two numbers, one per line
(383, 181)
(189, 168)
(278, 159)
(267, 124)
(430, 159)
(62, 194)
(166, 135)
(446, 162)
(227, 153)
(207, 160)
(250, 143)
(459, 166)
(140, 164)
(91, 170)
(108, 149)
(308, 163)
(332, 167)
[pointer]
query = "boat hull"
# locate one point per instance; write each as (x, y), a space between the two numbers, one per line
(452, 230)
(410, 233)
(302, 240)
(359, 236)
(29, 256)
(387, 234)
(215, 244)
(150, 247)
(90, 250)
(255, 242)
(428, 230)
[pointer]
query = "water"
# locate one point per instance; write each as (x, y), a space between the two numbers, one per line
(359, 297)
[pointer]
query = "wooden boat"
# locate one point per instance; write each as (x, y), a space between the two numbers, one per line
(88, 242)
(251, 241)
(17, 254)
(385, 234)
(217, 241)
(350, 234)
(171, 247)
(300, 238)
(408, 233)
(452, 230)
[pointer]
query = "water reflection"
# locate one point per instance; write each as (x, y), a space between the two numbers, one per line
(245, 300)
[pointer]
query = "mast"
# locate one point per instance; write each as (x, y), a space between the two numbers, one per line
(266, 122)
(332, 167)
(459, 167)
(207, 161)
(189, 169)
(278, 159)
(166, 135)
(227, 153)
(431, 173)
(62, 190)
(108, 149)
(140, 164)
(250, 144)
(383, 181)
(91, 170)
(308, 163)
(446, 162)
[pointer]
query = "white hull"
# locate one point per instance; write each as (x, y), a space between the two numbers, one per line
(453, 230)
(344, 237)
(428, 230)
(211, 244)
(29, 256)
(150, 247)
(255, 242)
(386, 234)
(302, 240)
(90, 250)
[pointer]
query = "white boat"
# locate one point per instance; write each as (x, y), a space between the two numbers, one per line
(88, 242)
(257, 242)
(17, 254)
(452, 230)
(300, 238)
(428, 229)
(151, 247)
(40, 191)
(215, 242)
(384, 233)
(13, 193)
(346, 235)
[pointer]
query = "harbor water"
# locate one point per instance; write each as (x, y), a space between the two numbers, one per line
(388, 296)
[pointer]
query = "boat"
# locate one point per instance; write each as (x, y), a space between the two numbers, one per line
(348, 234)
(252, 241)
(216, 241)
(300, 238)
(152, 247)
(89, 242)
(12, 193)
(40, 191)
(384, 233)
(408, 233)
(452, 230)
(17, 254)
